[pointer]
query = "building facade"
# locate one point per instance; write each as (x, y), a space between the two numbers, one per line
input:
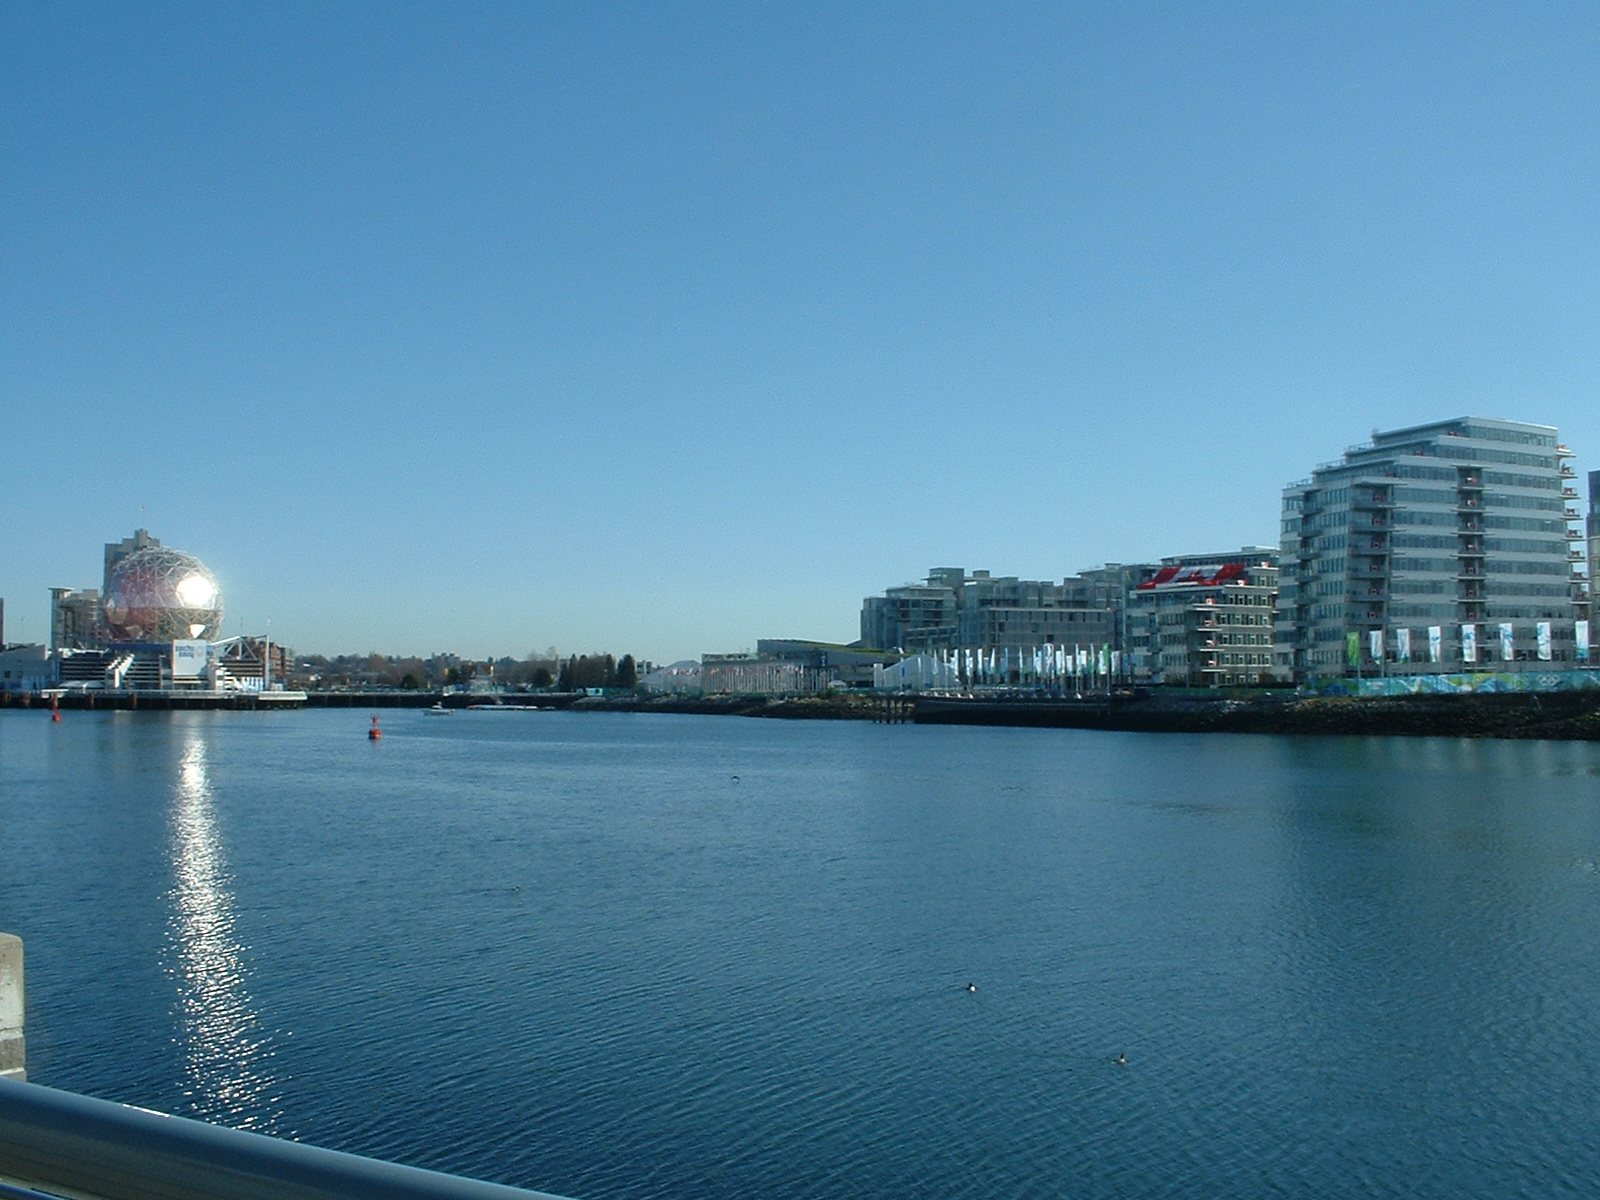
(952, 611)
(1437, 548)
(75, 622)
(914, 617)
(1207, 620)
(752, 675)
(1583, 582)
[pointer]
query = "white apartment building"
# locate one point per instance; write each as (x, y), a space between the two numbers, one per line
(1439, 548)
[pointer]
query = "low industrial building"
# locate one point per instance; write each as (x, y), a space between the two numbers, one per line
(25, 668)
(752, 675)
(788, 666)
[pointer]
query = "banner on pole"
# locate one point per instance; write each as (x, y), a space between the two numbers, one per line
(1469, 643)
(1402, 645)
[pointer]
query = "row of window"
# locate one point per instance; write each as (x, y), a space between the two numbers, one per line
(1412, 495)
(1417, 471)
(1540, 524)
(1525, 546)
(1544, 483)
(1512, 500)
(1514, 457)
(1424, 516)
(1485, 433)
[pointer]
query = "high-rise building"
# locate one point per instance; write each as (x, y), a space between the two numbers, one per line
(1443, 547)
(915, 617)
(1584, 584)
(1207, 620)
(952, 610)
(75, 619)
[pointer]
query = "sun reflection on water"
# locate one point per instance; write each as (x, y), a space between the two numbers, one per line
(225, 1054)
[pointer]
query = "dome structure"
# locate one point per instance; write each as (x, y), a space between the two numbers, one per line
(160, 595)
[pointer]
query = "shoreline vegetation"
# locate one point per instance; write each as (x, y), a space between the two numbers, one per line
(1565, 716)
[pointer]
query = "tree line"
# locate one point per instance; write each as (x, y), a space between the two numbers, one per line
(412, 673)
(599, 671)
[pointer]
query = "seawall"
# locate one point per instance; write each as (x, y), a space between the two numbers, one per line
(1563, 715)
(1570, 716)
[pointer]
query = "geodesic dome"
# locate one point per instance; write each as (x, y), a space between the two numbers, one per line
(161, 595)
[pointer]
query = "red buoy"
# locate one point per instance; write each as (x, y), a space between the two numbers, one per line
(55, 708)
(374, 733)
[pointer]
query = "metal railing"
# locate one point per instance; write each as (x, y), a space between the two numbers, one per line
(59, 1143)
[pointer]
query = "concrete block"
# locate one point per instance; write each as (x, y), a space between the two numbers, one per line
(13, 1059)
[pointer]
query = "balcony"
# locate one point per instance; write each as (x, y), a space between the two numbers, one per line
(1574, 555)
(1574, 535)
(1573, 514)
(1563, 452)
(1567, 472)
(1569, 493)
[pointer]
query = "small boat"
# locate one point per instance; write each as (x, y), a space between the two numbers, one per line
(438, 710)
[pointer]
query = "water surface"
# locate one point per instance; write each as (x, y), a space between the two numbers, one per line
(626, 956)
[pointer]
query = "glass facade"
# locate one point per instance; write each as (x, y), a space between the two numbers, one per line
(1437, 548)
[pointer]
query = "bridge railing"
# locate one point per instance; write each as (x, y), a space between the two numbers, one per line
(12, 1056)
(55, 1143)
(59, 1142)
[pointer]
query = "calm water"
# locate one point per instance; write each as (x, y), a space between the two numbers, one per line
(631, 956)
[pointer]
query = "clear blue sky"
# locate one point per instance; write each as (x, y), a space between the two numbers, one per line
(660, 328)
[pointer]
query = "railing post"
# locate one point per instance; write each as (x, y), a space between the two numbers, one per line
(12, 1059)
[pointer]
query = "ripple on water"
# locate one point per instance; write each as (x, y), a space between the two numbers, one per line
(1336, 967)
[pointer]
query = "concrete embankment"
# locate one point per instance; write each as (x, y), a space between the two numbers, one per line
(843, 707)
(1561, 715)
(1557, 715)
(78, 699)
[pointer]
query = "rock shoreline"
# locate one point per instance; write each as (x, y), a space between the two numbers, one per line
(1566, 716)
(1563, 716)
